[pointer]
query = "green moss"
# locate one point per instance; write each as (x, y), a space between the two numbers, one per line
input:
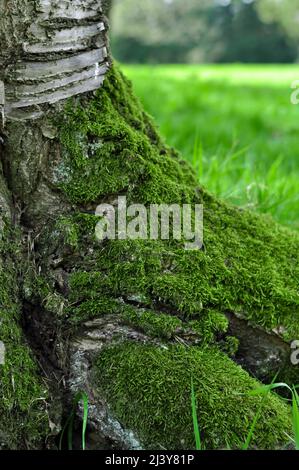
(152, 323)
(93, 309)
(23, 419)
(210, 323)
(167, 326)
(249, 265)
(69, 231)
(230, 346)
(149, 391)
(110, 146)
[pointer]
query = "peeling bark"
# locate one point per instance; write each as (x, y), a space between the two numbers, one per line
(59, 49)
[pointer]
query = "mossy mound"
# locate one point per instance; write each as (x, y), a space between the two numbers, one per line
(149, 389)
(248, 267)
(23, 419)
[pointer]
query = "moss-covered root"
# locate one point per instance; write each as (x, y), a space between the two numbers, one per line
(249, 265)
(107, 146)
(149, 391)
(23, 419)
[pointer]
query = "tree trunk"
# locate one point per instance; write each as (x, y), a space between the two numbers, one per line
(129, 322)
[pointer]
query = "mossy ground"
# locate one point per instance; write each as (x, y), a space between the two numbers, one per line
(150, 391)
(23, 420)
(248, 266)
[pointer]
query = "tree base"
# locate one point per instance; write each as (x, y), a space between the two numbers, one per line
(165, 314)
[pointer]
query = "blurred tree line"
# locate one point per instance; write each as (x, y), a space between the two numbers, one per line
(194, 31)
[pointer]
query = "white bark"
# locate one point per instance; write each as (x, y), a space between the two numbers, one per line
(54, 50)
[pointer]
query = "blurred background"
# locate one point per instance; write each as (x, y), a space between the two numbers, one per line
(217, 76)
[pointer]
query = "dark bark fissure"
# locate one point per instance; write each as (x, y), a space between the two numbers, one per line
(259, 352)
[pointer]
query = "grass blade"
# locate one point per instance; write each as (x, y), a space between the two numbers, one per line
(295, 414)
(84, 398)
(80, 396)
(194, 417)
(198, 156)
(265, 389)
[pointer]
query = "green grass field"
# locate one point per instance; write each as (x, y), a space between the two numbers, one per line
(235, 124)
